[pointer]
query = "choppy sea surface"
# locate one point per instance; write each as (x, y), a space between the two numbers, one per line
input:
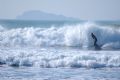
(59, 50)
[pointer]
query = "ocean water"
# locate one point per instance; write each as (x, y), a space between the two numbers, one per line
(59, 50)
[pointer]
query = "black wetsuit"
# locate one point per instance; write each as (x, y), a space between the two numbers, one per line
(97, 47)
(95, 39)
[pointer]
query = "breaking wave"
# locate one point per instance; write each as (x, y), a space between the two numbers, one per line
(45, 58)
(68, 35)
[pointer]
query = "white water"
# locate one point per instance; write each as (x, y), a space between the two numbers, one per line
(68, 35)
(62, 53)
(53, 58)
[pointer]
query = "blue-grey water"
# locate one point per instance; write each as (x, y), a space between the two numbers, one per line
(59, 50)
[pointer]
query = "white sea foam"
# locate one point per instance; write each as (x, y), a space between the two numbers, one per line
(69, 35)
(52, 58)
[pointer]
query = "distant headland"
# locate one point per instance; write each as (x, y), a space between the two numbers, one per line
(40, 15)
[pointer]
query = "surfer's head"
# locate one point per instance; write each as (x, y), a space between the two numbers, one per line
(92, 34)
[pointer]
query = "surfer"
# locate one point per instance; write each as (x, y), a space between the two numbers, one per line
(95, 41)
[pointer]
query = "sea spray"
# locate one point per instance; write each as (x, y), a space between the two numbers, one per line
(78, 35)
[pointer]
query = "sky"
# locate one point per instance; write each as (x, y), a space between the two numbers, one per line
(82, 9)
